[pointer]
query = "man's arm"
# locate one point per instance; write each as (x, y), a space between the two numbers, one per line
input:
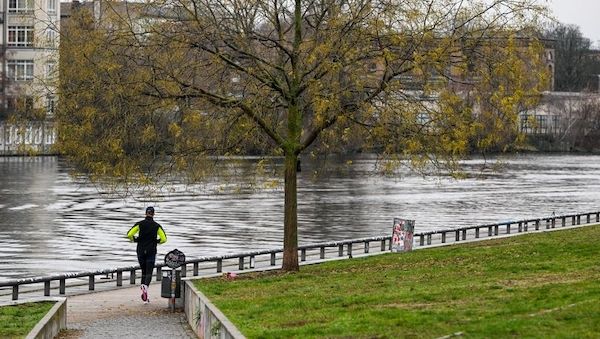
(133, 231)
(162, 235)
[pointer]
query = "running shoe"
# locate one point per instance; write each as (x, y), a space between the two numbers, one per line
(144, 289)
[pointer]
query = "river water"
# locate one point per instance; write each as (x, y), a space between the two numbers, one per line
(52, 222)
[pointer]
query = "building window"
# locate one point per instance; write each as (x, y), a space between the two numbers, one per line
(51, 6)
(50, 69)
(17, 6)
(20, 36)
(51, 37)
(20, 70)
(50, 104)
(21, 104)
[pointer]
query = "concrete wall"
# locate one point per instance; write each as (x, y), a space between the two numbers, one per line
(206, 319)
(54, 321)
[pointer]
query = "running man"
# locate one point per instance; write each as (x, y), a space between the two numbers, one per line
(150, 234)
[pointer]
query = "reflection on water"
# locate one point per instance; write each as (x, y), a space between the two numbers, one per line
(52, 223)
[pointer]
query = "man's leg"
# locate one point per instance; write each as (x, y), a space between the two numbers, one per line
(147, 279)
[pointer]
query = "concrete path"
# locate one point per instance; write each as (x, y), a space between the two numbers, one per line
(120, 313)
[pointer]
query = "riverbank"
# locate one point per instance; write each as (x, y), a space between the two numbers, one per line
(542, 285)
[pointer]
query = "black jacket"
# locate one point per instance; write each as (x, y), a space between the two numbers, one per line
(150, 234)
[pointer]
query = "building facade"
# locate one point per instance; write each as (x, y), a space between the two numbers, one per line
(29, 39)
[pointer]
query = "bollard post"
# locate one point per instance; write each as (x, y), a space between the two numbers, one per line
(62, 286)
(322, 254)
(241, 263)
(508, 228)
(563, 222)
(457, 235)
(477, 232)
(273, 257)
(340, 250)
(578, 219)
(132, 277)
(572, 220)
(91, 282)
(219, 265)
(537, 225)
(47, 288)
(464, 234)
(119, 278)
(350, 250)
(15, 292)
(183, 270)
(158, 273)
(303, 254)
(489, 231)
(443, 237)
(496, 229)
(195, 269)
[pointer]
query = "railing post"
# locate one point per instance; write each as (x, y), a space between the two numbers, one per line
(273, 259)
(91, 281)
(340, 250)
(563, 222)
(47, 288)
(520, 229)
(219, 265)
(429, 239)
(508, 228)
(241, 263)
(422, 240)
(597, 216)
(132, 277)
(158, 273)
(464, 234)
(578, 219)
(489, 231)
(350, 250)
(322, 254)
(526, 226)
(443, 237)
(457, 235)
(588, 218)
(477, 232)
(303, 254)
(553, 222)
(572, 220)
(252, 261)
(547, 224)
(390, 245)
(537, 225)
(62, 286)
(383, 244)
(184, 270)
(367, 246)
(119, 278)
(15, 292)
(196, 264)
(496, 229)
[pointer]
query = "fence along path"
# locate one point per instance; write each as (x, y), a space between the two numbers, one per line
(85, 282)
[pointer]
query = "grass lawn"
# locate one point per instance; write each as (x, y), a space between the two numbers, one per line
(537, 285)
(16, 321)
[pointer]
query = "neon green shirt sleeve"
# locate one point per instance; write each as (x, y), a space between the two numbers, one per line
(162, 236)
(133, 231)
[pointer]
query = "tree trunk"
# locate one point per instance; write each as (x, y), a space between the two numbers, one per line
(290, 222)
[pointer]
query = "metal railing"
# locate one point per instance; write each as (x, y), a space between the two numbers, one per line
(344, 248)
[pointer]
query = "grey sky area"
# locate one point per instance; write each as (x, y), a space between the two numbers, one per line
(583, 13)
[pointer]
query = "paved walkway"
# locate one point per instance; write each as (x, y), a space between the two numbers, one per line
(120, 313)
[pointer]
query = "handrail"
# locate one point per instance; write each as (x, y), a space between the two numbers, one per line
(425, 238)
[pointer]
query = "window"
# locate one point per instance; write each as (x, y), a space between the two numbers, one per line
(50, 69)
(50, 104)
(16, 6)
(20, 35)
(20, 70)
(51, 37)
(20, 104)
(51, 6)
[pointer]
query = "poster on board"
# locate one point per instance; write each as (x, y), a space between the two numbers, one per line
(402, 235)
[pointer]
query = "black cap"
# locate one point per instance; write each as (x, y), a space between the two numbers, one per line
(150, 210)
